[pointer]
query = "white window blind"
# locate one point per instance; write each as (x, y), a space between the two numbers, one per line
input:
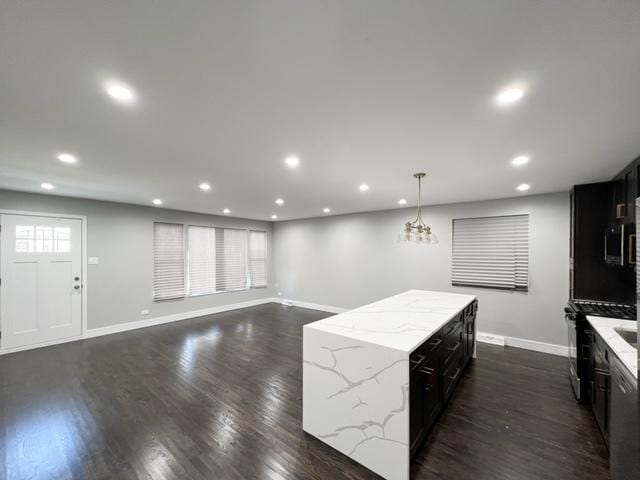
(258, 259)
(201, 253)
(231, 252)
(168, 261)
(491, 252)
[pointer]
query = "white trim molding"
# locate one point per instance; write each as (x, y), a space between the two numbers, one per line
(534, 345)
(176, 317)
(490, 338)
(309, 305)
(50, 343)
(149, 322)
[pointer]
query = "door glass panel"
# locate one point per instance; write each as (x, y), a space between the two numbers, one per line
(62, 239)
(25, 236)
(42, 239)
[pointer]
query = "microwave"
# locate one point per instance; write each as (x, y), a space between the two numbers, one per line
(620, 245)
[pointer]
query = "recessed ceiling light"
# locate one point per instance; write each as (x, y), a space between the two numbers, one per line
(326, 210)
(292, 161)
(274, 217)
(279, 201)
(120, 92)
(226, 211)
(157, 201)
(523, 187)
(509, 96)
(520, 160)
(67, 158)
(364, 187)
(46, 186)
(205, 187)
(402, 201)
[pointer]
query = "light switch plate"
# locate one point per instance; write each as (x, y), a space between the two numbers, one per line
(93, 260)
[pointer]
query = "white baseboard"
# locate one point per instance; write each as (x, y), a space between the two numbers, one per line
(6, 351)
(533, 345)
(553, 349)
(150, 322)
(312, 306)
(490, 338)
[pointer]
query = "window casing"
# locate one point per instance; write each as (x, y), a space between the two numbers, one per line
(491, 252)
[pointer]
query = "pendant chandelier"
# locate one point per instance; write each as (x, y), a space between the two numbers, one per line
(418, 231)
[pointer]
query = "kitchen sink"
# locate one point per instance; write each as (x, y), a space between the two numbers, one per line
(629, 336)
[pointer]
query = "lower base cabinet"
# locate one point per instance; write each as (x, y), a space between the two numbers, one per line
(436, 368)
(613, 398)
(624, 456)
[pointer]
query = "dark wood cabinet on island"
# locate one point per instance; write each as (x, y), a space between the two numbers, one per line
(436, 368)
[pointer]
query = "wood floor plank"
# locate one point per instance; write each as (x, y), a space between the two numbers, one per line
(220, 397)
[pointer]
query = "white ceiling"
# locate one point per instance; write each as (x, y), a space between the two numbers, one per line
(363, 91)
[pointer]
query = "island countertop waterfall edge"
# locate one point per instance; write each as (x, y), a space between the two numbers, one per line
(356, 375)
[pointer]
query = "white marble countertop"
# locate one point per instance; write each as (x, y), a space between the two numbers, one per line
(402, 322)
(625, 352)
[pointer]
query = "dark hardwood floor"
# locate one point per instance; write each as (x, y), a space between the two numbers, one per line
(219, 397)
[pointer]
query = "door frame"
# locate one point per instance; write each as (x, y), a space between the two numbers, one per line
(85, 276)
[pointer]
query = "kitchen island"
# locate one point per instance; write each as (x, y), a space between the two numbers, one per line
(376, 378)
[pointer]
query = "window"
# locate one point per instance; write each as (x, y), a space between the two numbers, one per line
(231, 252)
(202, 260)
(42, 239)
(217, 260)
(491, 252)
(258, 259)
(168, 261)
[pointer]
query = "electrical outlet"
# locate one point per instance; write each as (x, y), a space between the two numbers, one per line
(144, 312)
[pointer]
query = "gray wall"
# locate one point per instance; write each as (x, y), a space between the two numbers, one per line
(121, 235)
(351, 260)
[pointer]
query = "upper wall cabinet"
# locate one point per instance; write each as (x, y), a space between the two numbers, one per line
(626, 189)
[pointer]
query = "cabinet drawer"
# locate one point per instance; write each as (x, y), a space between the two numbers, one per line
(431, 345)
(453, 346)
(450, 327)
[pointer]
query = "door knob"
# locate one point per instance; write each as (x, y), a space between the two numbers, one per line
(77, 287)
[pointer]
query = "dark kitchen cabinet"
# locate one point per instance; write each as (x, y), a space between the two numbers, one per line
(469, 336)
(601, 386)
(433, 394)
(592, 213)
(417, 425)
(436, 368)
(624, 445)
(624, 196)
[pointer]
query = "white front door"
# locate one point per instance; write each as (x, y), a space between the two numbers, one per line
(41, 279)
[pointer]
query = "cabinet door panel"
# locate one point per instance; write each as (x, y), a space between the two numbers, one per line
(416, 409)
(433, 393)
